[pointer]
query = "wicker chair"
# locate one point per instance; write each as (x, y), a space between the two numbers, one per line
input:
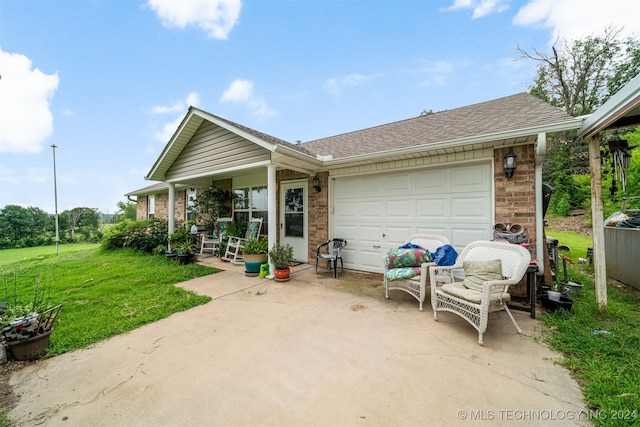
(211, 242)
(417, 285)
(474, 305)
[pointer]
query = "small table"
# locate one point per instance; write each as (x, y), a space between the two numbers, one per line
(531, 292)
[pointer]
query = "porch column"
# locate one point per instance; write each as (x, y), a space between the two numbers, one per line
(272, 201)
(172, 208)
(597, 221)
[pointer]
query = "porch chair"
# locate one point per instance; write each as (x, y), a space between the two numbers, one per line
(489, 269)
(411, 277)
(211, 242)
(331, 251)
(235, 243)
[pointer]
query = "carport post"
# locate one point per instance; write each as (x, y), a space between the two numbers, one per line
(597, 221)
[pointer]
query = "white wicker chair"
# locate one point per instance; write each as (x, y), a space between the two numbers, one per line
(416, 286)
(447, 294)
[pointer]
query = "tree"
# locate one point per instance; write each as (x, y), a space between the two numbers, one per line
(21, 227)
(85, 220)
(579, 76)
(126, 210)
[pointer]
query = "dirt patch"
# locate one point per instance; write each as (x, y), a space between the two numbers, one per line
(579, 224)
(8, 398)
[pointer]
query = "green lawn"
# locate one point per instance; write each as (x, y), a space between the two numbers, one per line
(12, 255)
(600, 348)
(104, 293)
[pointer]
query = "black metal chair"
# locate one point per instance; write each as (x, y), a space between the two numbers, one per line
(333, 253)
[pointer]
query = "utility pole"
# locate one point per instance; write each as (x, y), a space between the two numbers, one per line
(55, 192)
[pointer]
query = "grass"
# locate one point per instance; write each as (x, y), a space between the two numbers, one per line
(104, 293)
(600, 348)
(8, 256)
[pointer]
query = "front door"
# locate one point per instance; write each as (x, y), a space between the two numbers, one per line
(293, 218)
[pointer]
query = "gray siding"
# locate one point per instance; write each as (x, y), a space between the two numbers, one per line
(214, 148)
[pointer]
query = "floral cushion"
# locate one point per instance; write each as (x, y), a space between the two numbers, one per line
(478, 272)
(402, 273)
(400, 258)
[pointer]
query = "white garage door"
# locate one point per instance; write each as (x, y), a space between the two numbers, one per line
(378, 212)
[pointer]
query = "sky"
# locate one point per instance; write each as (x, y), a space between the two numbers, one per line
(108, 81)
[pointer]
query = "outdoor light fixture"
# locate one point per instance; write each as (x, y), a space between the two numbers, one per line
(316, 183)
(509, 164)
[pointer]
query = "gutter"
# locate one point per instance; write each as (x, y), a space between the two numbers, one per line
(541, 244)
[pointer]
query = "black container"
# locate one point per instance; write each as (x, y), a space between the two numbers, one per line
(551, 305)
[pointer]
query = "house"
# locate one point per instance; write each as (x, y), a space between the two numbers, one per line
(440, 173)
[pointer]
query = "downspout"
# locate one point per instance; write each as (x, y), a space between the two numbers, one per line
(541, 150)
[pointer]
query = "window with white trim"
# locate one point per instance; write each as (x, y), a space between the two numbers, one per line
(151, 205)
(251, 202)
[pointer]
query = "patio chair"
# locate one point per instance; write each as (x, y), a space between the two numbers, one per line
(235, 243)
(489, 269)
(411, 274)
(331, 251)
(211, 242)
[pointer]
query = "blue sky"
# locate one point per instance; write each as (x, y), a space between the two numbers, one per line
(108, 81)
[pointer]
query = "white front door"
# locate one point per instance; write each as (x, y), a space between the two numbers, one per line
(293, 217)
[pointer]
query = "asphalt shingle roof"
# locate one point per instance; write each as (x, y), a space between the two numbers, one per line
(520, 111)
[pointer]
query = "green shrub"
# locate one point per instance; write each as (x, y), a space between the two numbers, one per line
(144, 235)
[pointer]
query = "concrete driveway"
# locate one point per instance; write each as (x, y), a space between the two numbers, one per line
(305, 352)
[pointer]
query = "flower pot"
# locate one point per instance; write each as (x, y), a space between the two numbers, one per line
(282, 275)
(252, 262)
(550, 305)
(573, 288)
(30, 349)
(554, 295)
(185, 258)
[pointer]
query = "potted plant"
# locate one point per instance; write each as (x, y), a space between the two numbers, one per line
(254, 252)
(25, 329)
(185, 253)
(555, 292)
(281, 255)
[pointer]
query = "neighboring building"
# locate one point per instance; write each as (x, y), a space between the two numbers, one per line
(440, 173)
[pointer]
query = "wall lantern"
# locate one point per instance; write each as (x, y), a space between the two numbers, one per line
(316, 184)
(509, 164)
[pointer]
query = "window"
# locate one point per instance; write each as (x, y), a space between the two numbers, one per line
(251, 202)
(151, 205)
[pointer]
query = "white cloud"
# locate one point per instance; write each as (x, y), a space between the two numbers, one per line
(192, 99)
(335, 85)
(480, 7)
(576, 19)
(216, 17)
(26, 120)
(180, 106)
(241, 91)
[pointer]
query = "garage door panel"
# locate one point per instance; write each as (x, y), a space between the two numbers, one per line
(461, 237)
(399, 210)
(369, 234)
(397, 184)
(469, 208)
(434, 208)
(470, 178)
(345, 211)
(370, 185)
(397, 234)
(371, 209)
(370, 260)
(433, 180)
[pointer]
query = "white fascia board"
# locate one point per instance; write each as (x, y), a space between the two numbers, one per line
(461, 142)
(290, 152)
(621, 102)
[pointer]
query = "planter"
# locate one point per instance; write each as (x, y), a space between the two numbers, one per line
(252, 262)
(185, 258)
(573, 288)
(551, 306)
(30, 349)
(282, 275)
(554, 295)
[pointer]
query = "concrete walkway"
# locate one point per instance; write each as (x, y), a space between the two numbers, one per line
(303, 352)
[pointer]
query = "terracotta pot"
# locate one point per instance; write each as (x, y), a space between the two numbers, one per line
(281, 274)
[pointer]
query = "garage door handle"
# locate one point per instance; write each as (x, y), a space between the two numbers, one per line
(376, 246)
